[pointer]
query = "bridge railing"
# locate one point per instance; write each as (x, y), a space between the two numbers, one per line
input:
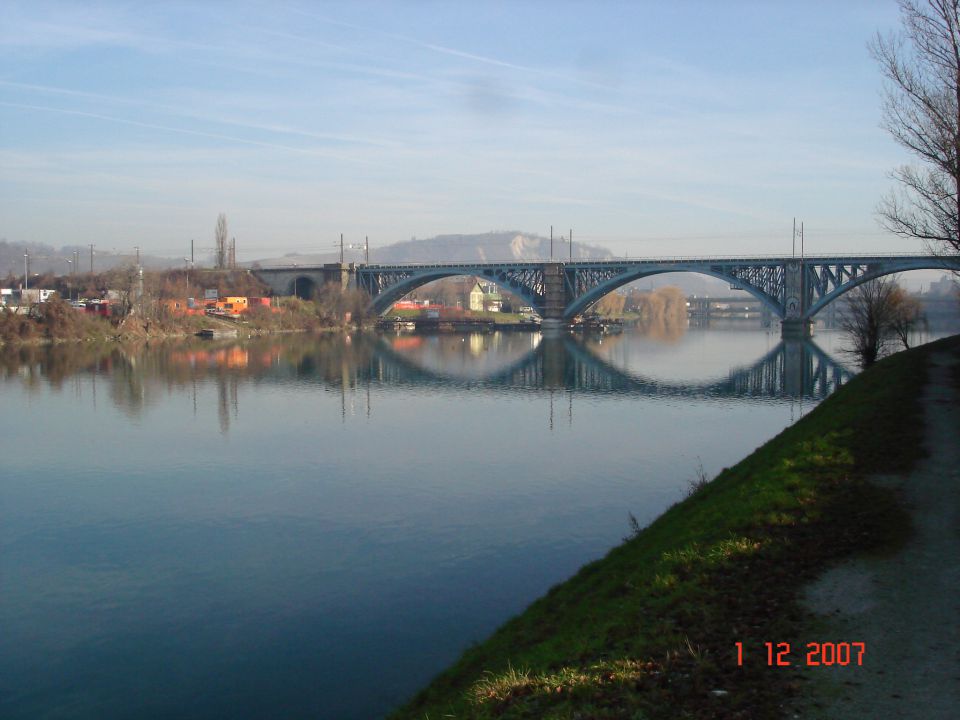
(828, 257)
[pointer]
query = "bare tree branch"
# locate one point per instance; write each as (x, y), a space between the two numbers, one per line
(921, 111)
(876, 314)
(220, 241)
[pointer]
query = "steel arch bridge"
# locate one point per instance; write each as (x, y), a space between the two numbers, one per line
(794, 289)
(388, 283)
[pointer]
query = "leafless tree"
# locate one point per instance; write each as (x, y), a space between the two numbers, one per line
(123, 281)
(907, 315)
(874, 315)
(334, 302)
(610, 305)
(220, 241)
(921, 110)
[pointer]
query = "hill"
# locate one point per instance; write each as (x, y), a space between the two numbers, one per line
(46, 259)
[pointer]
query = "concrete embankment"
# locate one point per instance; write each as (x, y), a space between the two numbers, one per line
(701, 613)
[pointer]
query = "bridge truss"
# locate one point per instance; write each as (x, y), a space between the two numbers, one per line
(388, 283)
(794, 289)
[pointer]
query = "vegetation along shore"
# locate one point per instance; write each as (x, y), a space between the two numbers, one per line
(122, 304)
(675, 621)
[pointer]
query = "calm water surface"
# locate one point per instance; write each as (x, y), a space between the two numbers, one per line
(313, 528)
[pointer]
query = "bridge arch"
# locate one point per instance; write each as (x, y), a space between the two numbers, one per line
(872, 273)
(595, 294)
(383, 301)
(303, 287)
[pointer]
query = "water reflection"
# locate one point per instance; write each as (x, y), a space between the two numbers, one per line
(321, 524)
(792, 369)
(134, 377)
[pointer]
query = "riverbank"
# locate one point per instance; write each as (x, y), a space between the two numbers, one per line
(674, 622)
(55, 321)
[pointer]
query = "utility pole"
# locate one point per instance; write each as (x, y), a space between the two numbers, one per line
(571, 244)
(551, 243)
(26, 271)
(341, 248)
(191, 252)
(91, 258)
(366, 249)
(139, 289)
(803, 275)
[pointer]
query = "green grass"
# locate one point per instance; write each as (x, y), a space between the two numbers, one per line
(650, 630)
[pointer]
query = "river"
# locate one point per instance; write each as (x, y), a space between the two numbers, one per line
(302, 527)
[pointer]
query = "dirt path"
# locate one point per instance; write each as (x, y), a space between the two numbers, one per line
(905, 607)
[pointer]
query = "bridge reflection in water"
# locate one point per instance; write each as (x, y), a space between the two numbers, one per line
(137, 378)
(793, 369)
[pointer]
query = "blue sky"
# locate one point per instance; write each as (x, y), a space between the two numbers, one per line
(652, 128)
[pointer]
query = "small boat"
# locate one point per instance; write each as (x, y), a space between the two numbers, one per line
(216, 332)
(397, 324)
(597, 324)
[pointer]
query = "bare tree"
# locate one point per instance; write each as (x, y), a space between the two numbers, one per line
(334, 302)
(123, 281)
(872, 314)
(220, 241)
(907, 315)
(921, 110)
(611, 305)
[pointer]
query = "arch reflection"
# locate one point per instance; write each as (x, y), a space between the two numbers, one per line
(134, 379)
(792, 369)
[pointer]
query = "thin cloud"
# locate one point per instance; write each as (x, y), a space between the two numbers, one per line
(279, 129)
(456, 53)
(184, 131)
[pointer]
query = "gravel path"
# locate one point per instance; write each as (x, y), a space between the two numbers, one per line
(905, 607)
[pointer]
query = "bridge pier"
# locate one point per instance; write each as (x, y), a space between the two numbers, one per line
(554, 296)
(796, 329)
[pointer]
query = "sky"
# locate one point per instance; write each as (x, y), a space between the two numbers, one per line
(650, 128)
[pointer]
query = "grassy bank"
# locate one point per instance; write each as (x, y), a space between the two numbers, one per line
(650, 631)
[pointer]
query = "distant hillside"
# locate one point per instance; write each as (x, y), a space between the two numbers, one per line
(501, 246)
(47, 259)
(498, 246)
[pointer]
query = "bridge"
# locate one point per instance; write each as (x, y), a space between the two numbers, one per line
(794, 289)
